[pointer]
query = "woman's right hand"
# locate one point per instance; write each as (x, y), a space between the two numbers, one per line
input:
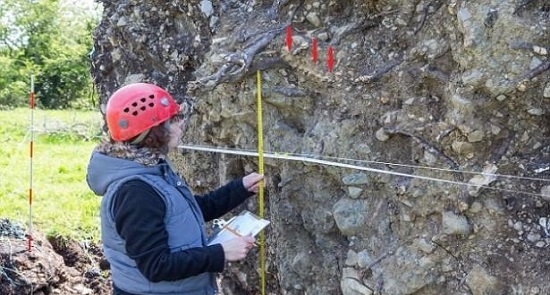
(237, 248)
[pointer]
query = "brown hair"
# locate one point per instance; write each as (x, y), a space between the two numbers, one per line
(157, 139)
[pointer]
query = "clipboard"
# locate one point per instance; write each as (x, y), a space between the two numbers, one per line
(246, 223)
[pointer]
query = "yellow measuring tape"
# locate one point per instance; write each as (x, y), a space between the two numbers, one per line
(261, 171)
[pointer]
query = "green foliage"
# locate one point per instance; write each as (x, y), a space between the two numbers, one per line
(52, 42)
(61, 80)
(63, 205)
(13, 90)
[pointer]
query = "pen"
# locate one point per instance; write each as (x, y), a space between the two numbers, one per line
(236, 233)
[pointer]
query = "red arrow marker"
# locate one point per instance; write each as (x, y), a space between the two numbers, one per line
(289, 37)
(330, 58)
(314, 50)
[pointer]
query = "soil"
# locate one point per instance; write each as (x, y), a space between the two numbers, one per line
(51, 266)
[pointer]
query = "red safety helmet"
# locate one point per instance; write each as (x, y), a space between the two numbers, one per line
(136, 108)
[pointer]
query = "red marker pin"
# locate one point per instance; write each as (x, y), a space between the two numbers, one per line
(330, 58)
(314, 50)
(289, 37)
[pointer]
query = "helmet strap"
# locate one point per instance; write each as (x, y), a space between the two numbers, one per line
(140, 137)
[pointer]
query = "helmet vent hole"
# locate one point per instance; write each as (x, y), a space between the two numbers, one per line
(151, 96)
(126, 110)
(142, 99)
(135, 113)
(134, 104)
(151, 104)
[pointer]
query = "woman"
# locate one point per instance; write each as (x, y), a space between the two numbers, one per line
(152, 227)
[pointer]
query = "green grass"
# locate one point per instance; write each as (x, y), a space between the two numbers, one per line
(62, 205)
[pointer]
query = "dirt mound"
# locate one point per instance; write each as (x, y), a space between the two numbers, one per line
(54, 266)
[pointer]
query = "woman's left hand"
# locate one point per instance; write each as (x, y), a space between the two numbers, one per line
(252, 181)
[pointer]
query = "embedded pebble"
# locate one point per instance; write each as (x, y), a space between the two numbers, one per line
(382, 135)
(545, 192)
(546, 91)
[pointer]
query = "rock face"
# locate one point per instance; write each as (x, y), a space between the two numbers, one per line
(442, 91)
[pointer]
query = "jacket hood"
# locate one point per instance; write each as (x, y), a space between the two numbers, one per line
(104, 170)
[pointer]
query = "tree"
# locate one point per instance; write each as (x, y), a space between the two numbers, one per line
(43, 38)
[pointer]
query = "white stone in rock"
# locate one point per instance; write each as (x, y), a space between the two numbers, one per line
(426, 262)
(409, 101)
(81, 289)
(524, 137)
(453, 224)
(121, 22)
(475, 136)
(545, 225)
(363, 259)
(207, 8)
(381, 135)
(354, 192)
(430, 158)
(355, 179)
(313, 19)
(463, 206)
(446, 265)
(482, 179)
(535, 62)
(323, 36)
(213, 21)
(533, 237)
(535, 111)
(473, 77)
(482, 283)
(134, 78)
(353, 287)
(115, 55)
(518, 226)
(425, 246)
(432, 48)
(476, 207)
(546, 91)
(467, 26)
(349, 215)
(350, 272)
(540, 50)
(390, 117)
(495, 130)
(352, 258)
(545, 192)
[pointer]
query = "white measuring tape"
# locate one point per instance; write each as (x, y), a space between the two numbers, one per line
(287, 156)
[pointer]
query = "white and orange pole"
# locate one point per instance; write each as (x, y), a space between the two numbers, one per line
(31, 153)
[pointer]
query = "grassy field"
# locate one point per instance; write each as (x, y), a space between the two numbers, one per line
(62, 203)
